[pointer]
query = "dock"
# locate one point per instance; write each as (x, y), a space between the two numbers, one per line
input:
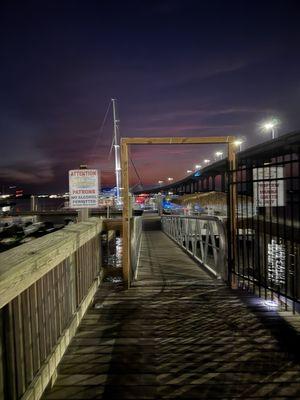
(179, 333)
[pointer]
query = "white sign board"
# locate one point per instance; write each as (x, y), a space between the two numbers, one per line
(83, 188)
(269, 190)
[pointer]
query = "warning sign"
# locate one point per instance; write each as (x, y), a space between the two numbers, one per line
(83, 188)
(269, 189)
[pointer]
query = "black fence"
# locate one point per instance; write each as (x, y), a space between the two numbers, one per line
(268, 224)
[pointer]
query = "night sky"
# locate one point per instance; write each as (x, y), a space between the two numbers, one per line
(177, 68)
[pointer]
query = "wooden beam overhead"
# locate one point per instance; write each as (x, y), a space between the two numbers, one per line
(179, 140)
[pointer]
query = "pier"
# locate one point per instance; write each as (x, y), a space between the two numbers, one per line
(207, 308)
(179, 333)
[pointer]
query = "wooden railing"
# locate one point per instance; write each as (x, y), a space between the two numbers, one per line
(45, 289)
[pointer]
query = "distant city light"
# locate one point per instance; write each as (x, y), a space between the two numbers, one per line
(198, 166)
(189, 171)
(170, 179)
(206, 161)
(160, 182)
(219, 154)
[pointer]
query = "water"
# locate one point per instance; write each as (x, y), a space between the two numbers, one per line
(114, 259)
(112, 262)
(44, 204)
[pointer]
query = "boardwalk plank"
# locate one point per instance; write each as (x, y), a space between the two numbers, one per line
(179, 334)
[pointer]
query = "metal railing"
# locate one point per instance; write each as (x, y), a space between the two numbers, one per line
(45, 288)
(135, 237)
(267, 259)
(204, 238)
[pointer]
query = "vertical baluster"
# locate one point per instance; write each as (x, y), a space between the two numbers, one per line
(19, 346)
(2, 356)
(72, 266)
(27, 337)
(41, 320)
(10, 389)
(34, 328)
(48, 323)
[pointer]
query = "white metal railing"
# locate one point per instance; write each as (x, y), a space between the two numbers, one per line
(136, 236)
(204, 238)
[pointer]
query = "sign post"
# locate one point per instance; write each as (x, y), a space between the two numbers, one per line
(83, 191)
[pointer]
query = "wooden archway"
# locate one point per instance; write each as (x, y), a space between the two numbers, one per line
(125, 144)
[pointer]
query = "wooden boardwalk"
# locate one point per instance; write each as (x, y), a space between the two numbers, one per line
(179, 334)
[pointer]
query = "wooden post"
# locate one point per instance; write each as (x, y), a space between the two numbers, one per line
(126, 211)
(83, 214)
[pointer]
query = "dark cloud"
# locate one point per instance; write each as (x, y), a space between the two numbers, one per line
(177, 68)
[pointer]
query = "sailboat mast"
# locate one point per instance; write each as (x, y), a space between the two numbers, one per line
(117, 151)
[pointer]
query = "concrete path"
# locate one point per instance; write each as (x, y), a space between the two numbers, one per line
(179, 334)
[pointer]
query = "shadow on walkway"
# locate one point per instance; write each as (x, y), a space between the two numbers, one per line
(178, 334)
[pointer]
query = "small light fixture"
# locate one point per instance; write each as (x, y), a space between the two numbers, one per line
(239, 143)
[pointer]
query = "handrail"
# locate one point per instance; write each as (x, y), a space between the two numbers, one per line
(22, 266)
(45, 288)
(203, 237)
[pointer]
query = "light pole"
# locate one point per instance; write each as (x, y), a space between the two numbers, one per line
(270, 126)
(219, 154)
(238, 143)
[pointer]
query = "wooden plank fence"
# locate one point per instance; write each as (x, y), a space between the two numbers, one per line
(45, 289)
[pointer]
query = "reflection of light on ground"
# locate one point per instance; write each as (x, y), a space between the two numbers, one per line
(271, 304)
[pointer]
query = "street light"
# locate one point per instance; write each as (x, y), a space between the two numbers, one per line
(219, 154)
(160, 182)
(206, 161)
(198, 166)
(170, 179)
(238, 143)
(270, 126)
(189, 171)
